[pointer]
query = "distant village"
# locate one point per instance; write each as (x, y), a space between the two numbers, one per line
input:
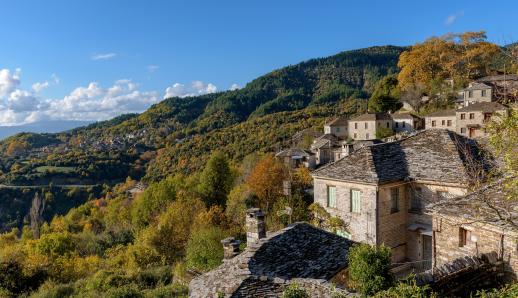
(409, 191)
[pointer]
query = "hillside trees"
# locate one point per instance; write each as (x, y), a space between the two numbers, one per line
(461, 57)
(385, 97)
(266, 180)
(216, 180)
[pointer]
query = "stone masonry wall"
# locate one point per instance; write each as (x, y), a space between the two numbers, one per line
(362, 226)
(483, 239)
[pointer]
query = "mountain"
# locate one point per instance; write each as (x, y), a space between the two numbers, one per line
(41, 127)
(178, 134)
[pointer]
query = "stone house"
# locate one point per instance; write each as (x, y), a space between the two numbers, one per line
(324, 148)
(313, 258)
(475, 92)
(295, 158)
(469, 227)
(406, 122)
(444, 119)
(380, 191)
(365, 126)
(338, 127)
(471, 120)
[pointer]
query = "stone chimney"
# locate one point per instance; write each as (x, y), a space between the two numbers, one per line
(255, 226)
(230, 247)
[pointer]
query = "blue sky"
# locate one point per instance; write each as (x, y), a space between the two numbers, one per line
(91, 60)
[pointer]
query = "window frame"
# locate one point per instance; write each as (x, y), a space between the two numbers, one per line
(394, 200)
(416, 205)
(328, 196)
(352, 202)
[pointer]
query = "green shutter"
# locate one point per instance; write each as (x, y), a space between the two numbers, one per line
(331, 196)
(355, 201)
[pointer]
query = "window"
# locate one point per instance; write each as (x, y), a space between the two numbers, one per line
(388, 124)
(470, 94)
(355, 201)
(463, 237)
(449, 122)
(394, 197)
(462, 130)
(355, 135)
(483, 93)
(367, 136)
(397, 124)
(487, 117)
(415, 199)
(403, 124)
(331, 196)
(434, 123)
(338, 129)
(462, 116)
(471, 115)
(366, 125)
(443, 122)
(355, 125)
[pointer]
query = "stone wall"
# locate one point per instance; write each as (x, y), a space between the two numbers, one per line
(483, 238)
(362, 226)
(478, 119)
(439, 122)
(360, 131)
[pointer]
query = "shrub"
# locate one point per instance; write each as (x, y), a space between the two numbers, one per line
(295, 291)
(406, 289)
(204, 249)
(369, 268)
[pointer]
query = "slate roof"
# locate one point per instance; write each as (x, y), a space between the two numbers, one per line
(299, 251)
(325, 141)
(508, 77)
(371, 117)
(339, 121)
(483, 107)
(431, 155)
(398, 116)
(294, 152)
(474, 207)
(477, 86)
(442, 113)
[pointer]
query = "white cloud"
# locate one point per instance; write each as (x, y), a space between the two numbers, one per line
(39, 86)
(9, 81)
(104, 56)
(452, 18)
(152, 68)
(196, 88)
(234, 87)
(91, 102)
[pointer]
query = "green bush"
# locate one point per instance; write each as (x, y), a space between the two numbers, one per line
(126, 291)
(369, 268)
(204, 249)
(406, 289)
(509, 291)
(295, 291)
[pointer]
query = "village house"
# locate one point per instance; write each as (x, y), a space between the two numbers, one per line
(303, 254)
(380, 191)
(324, 148)
(470, 226)
(444, 119)
(338, 127)
(474, 93)
(472, 119)
(406, 122)
(365, 126)
(295, 158)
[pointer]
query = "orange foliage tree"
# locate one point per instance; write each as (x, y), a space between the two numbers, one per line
(266, 180)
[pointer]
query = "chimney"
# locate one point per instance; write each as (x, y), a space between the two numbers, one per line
(230, 247)
(255, 226)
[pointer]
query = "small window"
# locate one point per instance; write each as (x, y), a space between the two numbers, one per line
(443, 122)
(434, 123)
(355, 125)
(388, 124)
(487, 117)
(462, 130)
(415, 200)
(397, 124)
(394, 197)
(338, 129)
(449, 123)
(470, 94)
(331, 196)
(366, 125)
(471, 115)
(463, 237)
(355, 201)
(462, 116)
(403, 124)
(483, 93)
(355, 136)
(367, 136)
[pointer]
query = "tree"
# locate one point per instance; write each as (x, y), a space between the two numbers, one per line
(36, 214)
(204, 249)
(266, 180)
(216, 180)
(385, 97)
(239, 200)
(406, 289)
(369, 268)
